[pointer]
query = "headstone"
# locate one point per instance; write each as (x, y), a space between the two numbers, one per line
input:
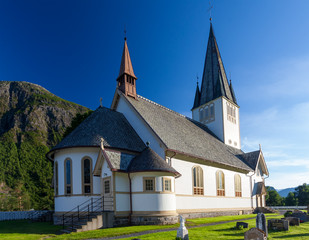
(261, 223)
(243, 224)
(293, 221)
(278, 224)
(182, 231)
(255, 234)
(301, 215)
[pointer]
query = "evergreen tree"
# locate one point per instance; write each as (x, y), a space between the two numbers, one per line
(291, 200)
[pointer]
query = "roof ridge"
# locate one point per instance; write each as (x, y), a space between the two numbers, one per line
(159, 105)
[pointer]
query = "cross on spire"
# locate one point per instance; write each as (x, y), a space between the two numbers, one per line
(209, 10)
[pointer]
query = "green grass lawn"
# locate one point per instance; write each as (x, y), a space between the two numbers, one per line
(27, 230)
(24, 229)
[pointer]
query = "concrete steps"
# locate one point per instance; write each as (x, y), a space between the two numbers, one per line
(94, 222)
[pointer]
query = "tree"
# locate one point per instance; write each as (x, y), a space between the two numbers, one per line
(273, 198)
(302, 193)
(291, 200)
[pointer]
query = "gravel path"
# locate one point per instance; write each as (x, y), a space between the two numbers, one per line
(135, 235)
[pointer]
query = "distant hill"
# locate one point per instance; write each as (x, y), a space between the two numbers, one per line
(285, 192)
(32, 120)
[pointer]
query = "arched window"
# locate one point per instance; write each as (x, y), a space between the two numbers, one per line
(56, 178)
(68, 189)
(220, 183)
(87, 175)
(237, 185)
(198, 180)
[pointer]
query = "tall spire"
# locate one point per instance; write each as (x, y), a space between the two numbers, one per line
(126, 79)
(126, 64)
(214, 81)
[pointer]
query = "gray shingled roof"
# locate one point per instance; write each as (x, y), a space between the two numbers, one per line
(251, 158)
(186, 135)
(149, 160)
(119, 160)
(104, 123)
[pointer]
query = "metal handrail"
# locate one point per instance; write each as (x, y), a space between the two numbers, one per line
(83, 211)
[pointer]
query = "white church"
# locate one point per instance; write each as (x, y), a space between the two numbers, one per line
(154, 164)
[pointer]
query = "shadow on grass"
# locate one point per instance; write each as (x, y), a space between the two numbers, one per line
(232, 231)
(292, 236)
(28, 227)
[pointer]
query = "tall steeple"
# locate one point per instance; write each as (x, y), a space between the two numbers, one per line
(126, 79)
(214, 81)
(215, 103)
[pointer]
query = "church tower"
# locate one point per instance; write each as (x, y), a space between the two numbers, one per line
(126, 79)
(215, 103)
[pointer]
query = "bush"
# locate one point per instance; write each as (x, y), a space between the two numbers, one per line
(288, 213)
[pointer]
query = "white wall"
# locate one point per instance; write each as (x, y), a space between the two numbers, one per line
(76, 155)
(231, 130)
(184, 188)
(140, 127)
(65, 204)
(143, 201)
(215, 126)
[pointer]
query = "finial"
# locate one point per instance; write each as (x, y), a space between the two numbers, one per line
(260, 147)
(102, 145)
(209, 10)
(147, 144)
(101, 102)
(197, 79)
(125, 33)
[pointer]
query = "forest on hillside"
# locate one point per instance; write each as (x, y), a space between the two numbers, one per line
(32, 121)
(299, 197)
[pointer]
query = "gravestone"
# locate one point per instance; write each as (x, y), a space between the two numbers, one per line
(278, 224)
(255, 234)
(243, 224)
(182, 231)
(301, 215)
(261, 223)
(293, 221)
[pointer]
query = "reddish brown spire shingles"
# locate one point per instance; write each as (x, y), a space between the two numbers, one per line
(126, 64)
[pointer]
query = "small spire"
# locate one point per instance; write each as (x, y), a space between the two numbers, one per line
(126, 64)
(147, 144)
(125, 33)
(196, 79)
(101, 102)
(260, 147)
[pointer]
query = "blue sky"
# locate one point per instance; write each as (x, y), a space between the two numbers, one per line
(73, 49)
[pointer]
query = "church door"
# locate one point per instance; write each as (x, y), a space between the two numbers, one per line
(107, 194)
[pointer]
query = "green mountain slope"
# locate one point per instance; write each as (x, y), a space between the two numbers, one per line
(32, 120)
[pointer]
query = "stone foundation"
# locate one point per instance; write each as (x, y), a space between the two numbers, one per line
(109, 220)
(215, 214)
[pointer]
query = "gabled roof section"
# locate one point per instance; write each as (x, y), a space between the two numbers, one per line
(106, 124)
(182, 134)
(214, 81)
(126, 64)
(261, 189)
(150, 161)
(254, 159)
